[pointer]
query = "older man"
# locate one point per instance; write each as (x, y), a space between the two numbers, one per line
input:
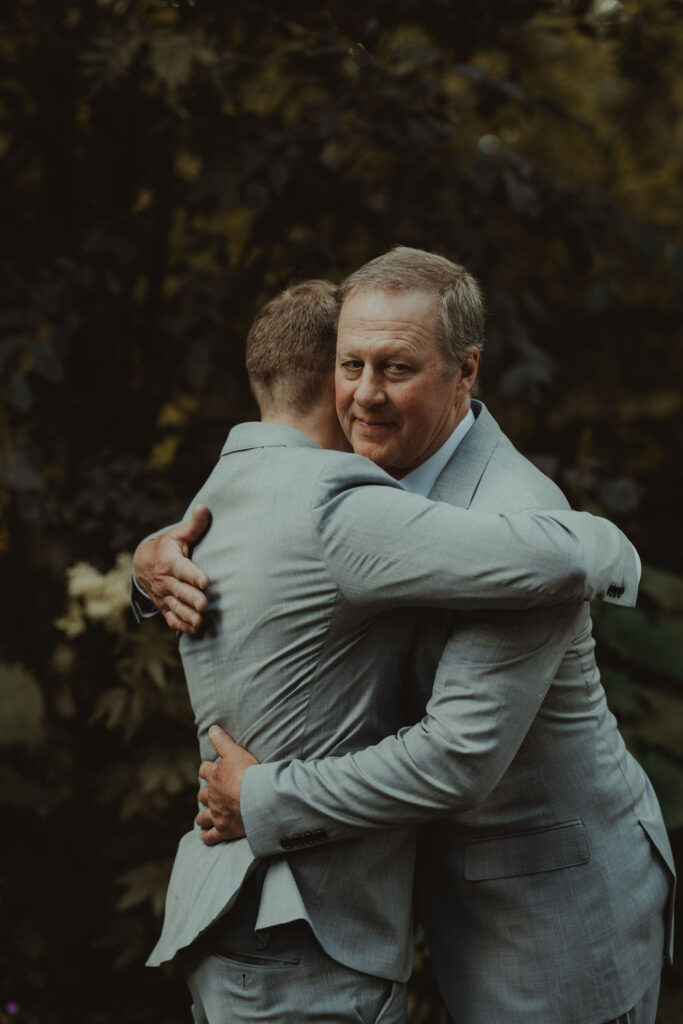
(550, 820)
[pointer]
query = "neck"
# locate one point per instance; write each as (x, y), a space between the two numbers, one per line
(319, 424)
(457, 416)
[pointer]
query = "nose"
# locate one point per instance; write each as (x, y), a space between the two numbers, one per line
(369, 391)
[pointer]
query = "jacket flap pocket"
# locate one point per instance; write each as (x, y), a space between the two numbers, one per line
(527, 853)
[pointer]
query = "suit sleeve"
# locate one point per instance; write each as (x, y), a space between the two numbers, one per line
(143, 607)
(492, 678)
(386, 548)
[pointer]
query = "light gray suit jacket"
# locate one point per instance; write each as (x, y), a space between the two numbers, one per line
(297, 658)
(543, 892)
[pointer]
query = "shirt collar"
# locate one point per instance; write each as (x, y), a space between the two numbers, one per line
(422, 479)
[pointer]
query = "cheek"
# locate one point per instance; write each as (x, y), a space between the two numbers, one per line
(342, 397)
(412, 408)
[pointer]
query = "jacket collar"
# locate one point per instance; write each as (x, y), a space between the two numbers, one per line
(459, 479)
(265, 435)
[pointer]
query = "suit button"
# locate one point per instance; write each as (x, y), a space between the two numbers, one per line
(308, 838)
(320, 834)
(286, 844)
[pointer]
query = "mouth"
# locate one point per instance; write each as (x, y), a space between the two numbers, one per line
(372, 426)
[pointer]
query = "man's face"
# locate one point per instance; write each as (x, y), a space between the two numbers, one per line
(397, 398)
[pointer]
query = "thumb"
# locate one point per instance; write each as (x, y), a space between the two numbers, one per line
(192, 529)
(220, 741)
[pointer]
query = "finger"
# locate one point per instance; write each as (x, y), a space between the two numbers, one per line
(190, 595)
(203, 796)
(183, 612)
(206, 770)
(211, 837)
(204, 819)
(186, 571)
(195, 527)
(179, 625)
(220, 741)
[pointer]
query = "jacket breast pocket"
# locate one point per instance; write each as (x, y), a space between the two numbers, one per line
(564, 845)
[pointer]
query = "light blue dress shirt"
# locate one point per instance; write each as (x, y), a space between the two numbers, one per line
(421, 479)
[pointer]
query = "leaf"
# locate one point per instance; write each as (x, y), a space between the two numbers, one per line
(171, 58)
(9, 346)
(47, 362)
(72, 623)
(177, 411)
(146, 884)
(18, 393)
(656, 645)
(100, 597)
(163, 453)
(665, 587)
(662, 724)
(153, 651)
(18, 791)
(623, 695)
(621, 495)
(136, 714)
(170, 772)
(523, 197)
(22, 707)
(188, 165)
(111, 706)
(112, 56)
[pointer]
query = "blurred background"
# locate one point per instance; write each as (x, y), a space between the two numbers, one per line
(166, 168)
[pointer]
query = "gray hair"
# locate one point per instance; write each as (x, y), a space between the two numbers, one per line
(460, 301)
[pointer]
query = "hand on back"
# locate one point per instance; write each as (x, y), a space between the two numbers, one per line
(170, 579)
(220, 817)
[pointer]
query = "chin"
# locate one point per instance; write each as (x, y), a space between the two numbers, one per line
(377, 455)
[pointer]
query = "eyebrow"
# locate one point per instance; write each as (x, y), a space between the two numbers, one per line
(387, 349)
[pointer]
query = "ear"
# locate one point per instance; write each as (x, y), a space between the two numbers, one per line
(468, 370)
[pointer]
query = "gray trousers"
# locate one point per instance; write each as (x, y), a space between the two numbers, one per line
(281, 977)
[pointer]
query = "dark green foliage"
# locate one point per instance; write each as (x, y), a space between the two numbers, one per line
(166, 167)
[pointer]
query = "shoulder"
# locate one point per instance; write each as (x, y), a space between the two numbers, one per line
(341, 471)
(511, 482)
(279, 479)
(262, 476)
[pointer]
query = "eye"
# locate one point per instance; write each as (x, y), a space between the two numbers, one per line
(398, 367)
(352, 364)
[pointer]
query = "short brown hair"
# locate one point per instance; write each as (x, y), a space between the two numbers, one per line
(460, 301)
(291, 345)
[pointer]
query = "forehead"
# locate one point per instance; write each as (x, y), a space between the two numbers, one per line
(379, 318)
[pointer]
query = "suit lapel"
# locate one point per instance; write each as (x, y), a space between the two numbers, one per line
(459, 479)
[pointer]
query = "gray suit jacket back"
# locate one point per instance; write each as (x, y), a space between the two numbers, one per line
(307, 550)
